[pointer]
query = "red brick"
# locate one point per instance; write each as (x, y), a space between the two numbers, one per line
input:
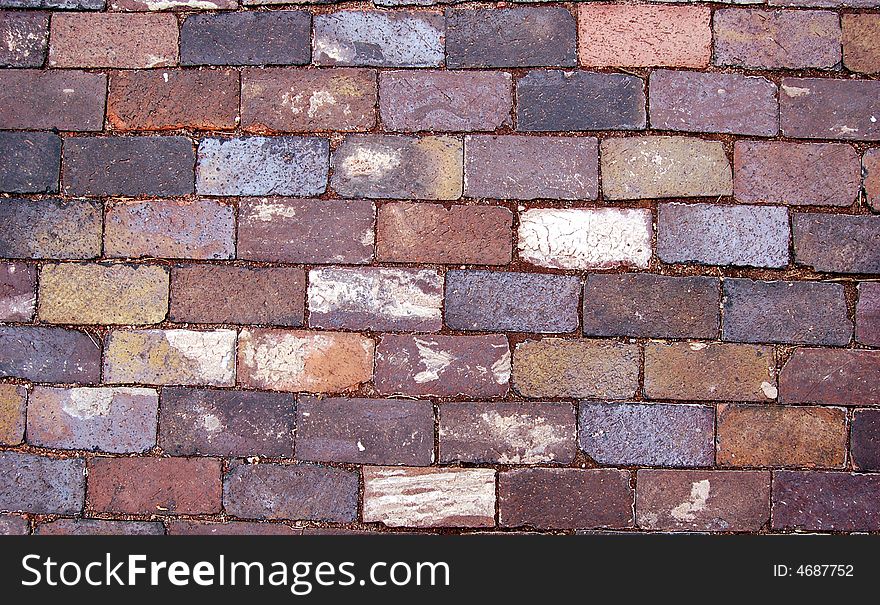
(17, 291)
(230, 528)
(99, 527)
(825, 501)
(38, 99)
(837, 243)
(865, 440)
(113, 40)
(819, 108)
(861, 51)
(831, 377)
(868, 314)
(13, 406)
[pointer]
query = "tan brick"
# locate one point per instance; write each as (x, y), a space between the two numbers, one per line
(861, 42)
(13, 400)
(113, 40)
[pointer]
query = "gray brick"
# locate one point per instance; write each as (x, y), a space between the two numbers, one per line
(246, 38)
(50, 228)
(31, 162)
(49, 354)
(837, 243)
(41, 485)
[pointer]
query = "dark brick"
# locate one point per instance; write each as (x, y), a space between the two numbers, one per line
(837, 243)
(36, 484)
(13, 525)
(831, 377)
(514, 302)
(865, 440)
(50, 228)
(38, 100)
(31, 162)
(867, 313)
(99, 527)
(825, 501)
(246, 38)
(230, 528)
(49, 354)
(60, 4)
(17, 291)
(25, 36)
(785, 312)
(113, 40)
(817, 108)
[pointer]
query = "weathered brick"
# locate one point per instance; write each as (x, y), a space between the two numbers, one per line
(167, 99)
(709, 372)
(825, 3)
(365, 431)
(825, 501)
(295, 231)
(183, 357)
(644, 35)
(818, 108)
(48, 354)
(262, 166)
(585, 238)
(554, 367)
(861, 52)
(714, 234)
(226, 423)
(117, 420)
(103, 294)
(871, 176)
(298, 491)
(231, 528)
(431, 233)
(563, 101)
(128, 166)
(837, 243)
(510, 37)
(429, 497)
(527, 168)
(17, 287)
(706, 500)
(796, 174)
(375, 298)
(508, 301)
(50, 228)
(652, 434)
(239, 295)
(867, 314)
(475, 366)
(414, 100)
(31, 162)
(157, 5)
(316, 362)
(99, 527)
(13, 525)
(831, 377)
(26, 37)
(40, 99)
(170, 486)
(192, 229)
(113, 40)
(398, 167)
(638, 304)
(865, 440)
(307, 100)
(13, 403)
(507, 433)
(59, 4)
(785, 312)
(379, 38)
(691, 101)
(659, 167)
(565, 498)
(246, 38)
(40, 485)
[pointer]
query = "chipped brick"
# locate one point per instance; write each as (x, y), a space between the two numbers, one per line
(50, 228)
(831, 377)
(13, 404)
(246, 38)
(41, 485)
(816, 108)
(825, 501)
(31, 162)
(39, 100)
(837, 243)
(113, 40)
(17, 287)
(49, 354)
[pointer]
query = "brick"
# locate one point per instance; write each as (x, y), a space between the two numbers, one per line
(49, 354)
(307, 100)
(510, 37)
(507, 433)
(113, 40)
(40, 100)
(59, 4)
(169, 99)
(527, 168)
(419, 366)
(638, 304)
(169, 486)
(785, 312)
(554, 367)
(246, 38)
(796, 174)
(825, 501)
(13, 403)
(31, 162)
(50, 228)
(692, 500)
(184, 357)
(691, 101)
(432, 233)
(831, 377)
(865, 439)
(202, 422)
(653, 434)
(398, 167)
(14, 525)
(315, 362)
(861, 53)
(157, 5)
(660, 167)
(192, 229)
(295, 231)
(709, 372)
(17, 291)
(41, 485)
(514, 302)
(378, 38)
(750, 38)
(375, 298)
(128, 166)
(231, 528)
(26, 37)
(103, 294)
(837, 243)
(816, 108)
(99, 527)
(239, 295)
(565, 498)
(365, 431)
(871, 176)
(714, 234)
(867, 314)
(644, 35)
(435, 497)
(299, 491)
(417, 100)
(825, 3)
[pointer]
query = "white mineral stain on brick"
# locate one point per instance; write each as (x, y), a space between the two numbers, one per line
(769, 390)
(265, 211)
(795, 91)
(371, 163)
(319, 99)
(85, 403)
(528, 437)
(280, 360)
(212, 353)
(582, 238)
(434, 360)
(501, 368)
(695, 504)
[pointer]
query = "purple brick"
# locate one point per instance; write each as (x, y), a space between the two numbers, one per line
(818, 108)
(831, 377)
(825, 501)
(246, 38)
(231, 528)
(31, 162)
(837, 243)
(868, 314)
(13, 525)
(865, 440)
(99, 527)
(17, 291)
(49, 354)
(26, 38)
(33, 99)
(41, 485)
